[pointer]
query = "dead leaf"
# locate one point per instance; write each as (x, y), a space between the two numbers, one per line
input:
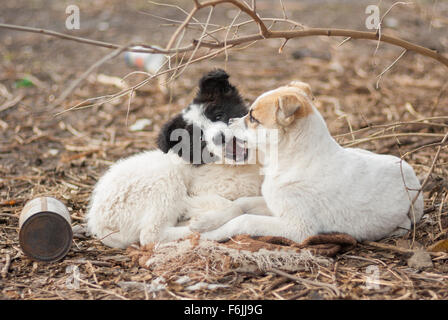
(439, 246)
(420, 260)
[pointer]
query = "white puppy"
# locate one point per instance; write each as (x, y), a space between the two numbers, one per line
(317, 186)
(145, 198)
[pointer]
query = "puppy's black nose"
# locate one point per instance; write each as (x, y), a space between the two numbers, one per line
(218, 139)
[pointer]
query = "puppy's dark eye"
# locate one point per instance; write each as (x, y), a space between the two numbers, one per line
(251, 118)
(219, 117)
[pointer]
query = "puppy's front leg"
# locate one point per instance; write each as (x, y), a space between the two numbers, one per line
(198, 206)
(253, 205)
(209, 212)
(213, 219)
(256, 225)
(216, 218)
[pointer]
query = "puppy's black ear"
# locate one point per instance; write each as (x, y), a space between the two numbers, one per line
(214, 83)
(163, 138)
(164, 142)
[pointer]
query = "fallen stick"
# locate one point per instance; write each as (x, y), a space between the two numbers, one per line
(397, 249)
(5, 268)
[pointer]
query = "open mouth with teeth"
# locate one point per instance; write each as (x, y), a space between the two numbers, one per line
(236, 150)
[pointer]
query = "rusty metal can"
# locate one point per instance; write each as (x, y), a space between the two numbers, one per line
(45, 229)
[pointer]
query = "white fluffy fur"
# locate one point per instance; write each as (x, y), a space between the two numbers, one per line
(144, 197)
(319, 187)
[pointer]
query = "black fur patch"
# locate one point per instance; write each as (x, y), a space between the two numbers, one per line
(221, 101)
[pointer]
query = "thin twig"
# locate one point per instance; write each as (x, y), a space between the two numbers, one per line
(386, 246)
(388, 136)
(198, 43)
(431, 169)
(180, 28)
(227, 34)
(422, 121)
(333, 288)
(5, 269)
(389, 67)
(381, 23)
(99, 288)
(344, 41)
(283, 9)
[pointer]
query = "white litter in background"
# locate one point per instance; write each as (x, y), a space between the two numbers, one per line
(53, 152)
(156, 285)
(204, 285)
(182, 280)
(111, 81)
(150, 62)
(140, 124)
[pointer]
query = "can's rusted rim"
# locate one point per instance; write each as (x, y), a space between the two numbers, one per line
(46, 236)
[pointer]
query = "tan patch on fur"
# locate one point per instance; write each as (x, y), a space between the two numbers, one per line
(305, 87)
(265, 108)
(264, 111)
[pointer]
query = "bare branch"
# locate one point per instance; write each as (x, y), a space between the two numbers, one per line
(227, 34)
(283, 10)
(147, 48)
(222, 44)
(265, 34)
(243, 7)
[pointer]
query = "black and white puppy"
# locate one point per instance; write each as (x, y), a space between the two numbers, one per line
(145, 197)
(203, 120)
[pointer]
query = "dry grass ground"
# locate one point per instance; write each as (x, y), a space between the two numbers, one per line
(63, 156)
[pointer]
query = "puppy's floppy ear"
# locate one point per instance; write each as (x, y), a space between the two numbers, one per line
(305, 87)
(288, 105)
(164, 142)
(213, 83)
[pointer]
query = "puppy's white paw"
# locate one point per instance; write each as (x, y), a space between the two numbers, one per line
(165, 234)
(205, 222)
(148, 236)
(214, 235)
